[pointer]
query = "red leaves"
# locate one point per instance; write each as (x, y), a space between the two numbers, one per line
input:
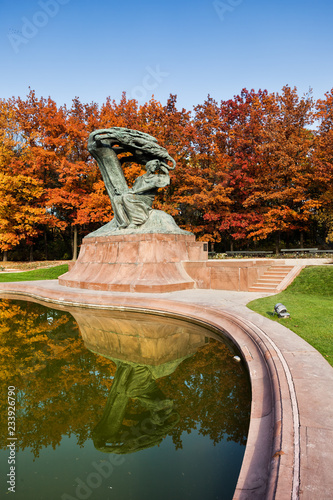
(247, 168)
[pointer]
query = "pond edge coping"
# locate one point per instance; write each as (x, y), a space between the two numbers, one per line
(272, 464)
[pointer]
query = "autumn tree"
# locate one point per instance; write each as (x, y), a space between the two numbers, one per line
(42, 136)
(55, 141)
(249, 169)
(9, 147)
(210, 390)
(283, 192)
(72, 196)
(202, 189)
(22, 211)
(9, 134)
(323, 161)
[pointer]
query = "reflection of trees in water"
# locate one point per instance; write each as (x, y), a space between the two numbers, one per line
(212, 394)
(44, 357)
(62, 389)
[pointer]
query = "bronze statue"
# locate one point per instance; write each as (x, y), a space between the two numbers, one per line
(132, 207)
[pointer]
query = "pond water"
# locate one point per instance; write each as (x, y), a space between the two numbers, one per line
(118, 405)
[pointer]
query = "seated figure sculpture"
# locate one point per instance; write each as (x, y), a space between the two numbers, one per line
(132, 206)
(132, 209)
(126, 253)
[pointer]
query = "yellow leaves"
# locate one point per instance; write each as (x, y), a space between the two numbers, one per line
(235, 160)
(37, 339)
(8, 134)
(21, 209)
(210, 237)
(55, 350)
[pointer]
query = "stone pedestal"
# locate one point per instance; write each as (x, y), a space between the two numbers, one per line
(145, 339)
(135, 263)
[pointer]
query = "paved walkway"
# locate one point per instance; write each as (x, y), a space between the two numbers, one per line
(304, 385)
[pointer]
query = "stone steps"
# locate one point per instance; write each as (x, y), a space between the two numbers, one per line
(271, 280)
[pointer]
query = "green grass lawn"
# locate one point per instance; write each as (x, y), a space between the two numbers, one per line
(309, 300)
(39, 274)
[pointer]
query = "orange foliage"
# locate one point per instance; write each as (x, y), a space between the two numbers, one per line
(247, 168)
(44, 357)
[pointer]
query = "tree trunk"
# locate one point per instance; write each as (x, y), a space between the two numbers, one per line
(301, 240)
(5, 256)
(31, 255)
(45, 245)
(231, 246)
(75, 243)
(277, 243)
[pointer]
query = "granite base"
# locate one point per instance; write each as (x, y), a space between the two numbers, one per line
(135, 263)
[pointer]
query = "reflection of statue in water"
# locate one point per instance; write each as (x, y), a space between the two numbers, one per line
(122, 430)
(132, 207)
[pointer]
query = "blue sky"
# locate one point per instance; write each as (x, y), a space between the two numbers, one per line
(93, 48)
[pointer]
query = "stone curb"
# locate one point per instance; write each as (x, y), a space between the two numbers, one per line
(284, 456)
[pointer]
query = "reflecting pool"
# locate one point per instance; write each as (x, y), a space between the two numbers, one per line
(118, 405)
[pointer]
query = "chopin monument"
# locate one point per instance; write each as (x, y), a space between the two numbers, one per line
(140, 249)
(132, 207)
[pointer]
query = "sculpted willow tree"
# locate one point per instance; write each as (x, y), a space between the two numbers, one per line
(133, 261)
(132, 207)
